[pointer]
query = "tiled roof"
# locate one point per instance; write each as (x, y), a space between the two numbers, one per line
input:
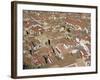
(38, 29)
(75, 22)
(60, 47)
(44, 51)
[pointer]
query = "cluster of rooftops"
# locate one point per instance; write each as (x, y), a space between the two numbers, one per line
(54, 41)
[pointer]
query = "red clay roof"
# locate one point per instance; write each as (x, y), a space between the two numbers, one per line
(38, 29)
(60, 47)
(77, 22)
(45, 51)
(37, 59)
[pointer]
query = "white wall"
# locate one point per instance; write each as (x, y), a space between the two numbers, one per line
(5, 43)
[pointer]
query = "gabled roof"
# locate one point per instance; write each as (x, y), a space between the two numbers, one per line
(76, 22)
(61, 48)
(37, 59)
(64, 41)
(37, 29)
(44, 51)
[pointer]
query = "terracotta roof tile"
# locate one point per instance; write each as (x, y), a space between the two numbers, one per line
(80, 23)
